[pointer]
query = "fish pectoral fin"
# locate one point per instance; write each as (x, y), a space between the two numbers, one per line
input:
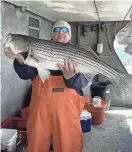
(44, 74)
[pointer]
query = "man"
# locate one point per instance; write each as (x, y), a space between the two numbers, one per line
(54, 111)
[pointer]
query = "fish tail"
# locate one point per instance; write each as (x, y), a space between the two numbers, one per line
(122, 89)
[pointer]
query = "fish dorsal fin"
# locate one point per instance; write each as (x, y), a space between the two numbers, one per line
(89, 49)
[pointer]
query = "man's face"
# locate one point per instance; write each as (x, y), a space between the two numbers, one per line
(61, 34)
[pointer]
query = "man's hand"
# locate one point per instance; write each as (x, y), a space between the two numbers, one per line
(69, 69)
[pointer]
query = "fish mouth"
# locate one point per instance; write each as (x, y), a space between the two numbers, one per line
(7, 39)
(6, 45)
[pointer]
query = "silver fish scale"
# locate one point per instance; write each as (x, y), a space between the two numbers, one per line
(57, 56)
(57, 52)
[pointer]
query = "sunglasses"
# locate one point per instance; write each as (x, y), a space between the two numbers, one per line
(64, 29)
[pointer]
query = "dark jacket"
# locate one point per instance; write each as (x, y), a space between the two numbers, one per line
(26, 72)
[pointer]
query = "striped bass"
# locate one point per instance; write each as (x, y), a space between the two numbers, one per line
(45, 54)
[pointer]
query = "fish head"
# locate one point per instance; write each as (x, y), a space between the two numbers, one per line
(16, 43)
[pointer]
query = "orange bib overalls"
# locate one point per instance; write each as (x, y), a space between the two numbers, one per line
(54, 115)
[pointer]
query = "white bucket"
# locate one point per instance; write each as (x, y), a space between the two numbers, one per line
(97, 101)
(8, 139)
(10, 147)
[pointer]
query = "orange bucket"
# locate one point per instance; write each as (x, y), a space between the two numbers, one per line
(98, 113)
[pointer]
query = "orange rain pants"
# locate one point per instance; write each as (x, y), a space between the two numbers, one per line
(54, 115)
